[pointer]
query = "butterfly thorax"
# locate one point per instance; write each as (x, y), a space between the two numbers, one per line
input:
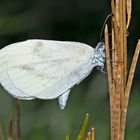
(99, 55)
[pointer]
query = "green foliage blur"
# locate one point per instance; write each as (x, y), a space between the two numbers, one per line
(71, 20)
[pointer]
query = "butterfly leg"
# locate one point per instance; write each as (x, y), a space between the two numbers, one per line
(62, 99)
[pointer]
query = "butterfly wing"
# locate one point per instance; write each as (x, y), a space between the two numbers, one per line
(46, 69)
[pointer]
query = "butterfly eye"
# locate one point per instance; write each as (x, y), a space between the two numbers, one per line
(100, 46)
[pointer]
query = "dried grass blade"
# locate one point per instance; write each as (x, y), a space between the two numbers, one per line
(92, 134)
(18, 137)
(132, 70)
(10, 129)
(128, 88)
(129, 9)
(111, 87)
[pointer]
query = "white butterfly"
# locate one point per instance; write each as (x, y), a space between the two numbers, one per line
(47, 69)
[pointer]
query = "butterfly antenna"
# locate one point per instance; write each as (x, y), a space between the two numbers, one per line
(101, 34)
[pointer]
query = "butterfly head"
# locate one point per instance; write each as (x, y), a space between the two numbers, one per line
(99, 56)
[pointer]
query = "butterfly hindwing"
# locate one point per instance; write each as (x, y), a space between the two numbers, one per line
(4, 78)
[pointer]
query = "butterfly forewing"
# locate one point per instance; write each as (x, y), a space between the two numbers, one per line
(46, 69)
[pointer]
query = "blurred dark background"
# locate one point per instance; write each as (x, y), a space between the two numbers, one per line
(71, 20)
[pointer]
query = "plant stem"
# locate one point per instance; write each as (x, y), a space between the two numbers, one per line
(119, 86)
